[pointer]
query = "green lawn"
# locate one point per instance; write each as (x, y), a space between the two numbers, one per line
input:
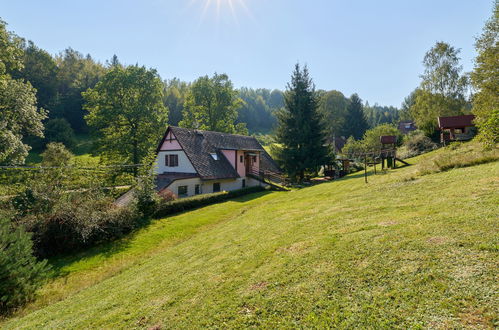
(401, 251)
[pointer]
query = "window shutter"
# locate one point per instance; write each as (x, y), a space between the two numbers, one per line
(166, 160)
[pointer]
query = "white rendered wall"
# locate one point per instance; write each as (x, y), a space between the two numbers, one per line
(206, 187)
(184, 164)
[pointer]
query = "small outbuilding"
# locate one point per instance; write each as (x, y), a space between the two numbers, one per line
(456, 128)
(407, 126)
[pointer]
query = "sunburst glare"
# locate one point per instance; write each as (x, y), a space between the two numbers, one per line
(219, 8)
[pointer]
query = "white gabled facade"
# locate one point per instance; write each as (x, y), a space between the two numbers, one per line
(181, 169)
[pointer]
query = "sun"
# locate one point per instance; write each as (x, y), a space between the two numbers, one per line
(223, 7)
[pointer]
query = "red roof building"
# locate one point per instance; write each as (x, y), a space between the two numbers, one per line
(456, 128)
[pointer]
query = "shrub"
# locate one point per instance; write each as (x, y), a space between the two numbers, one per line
(189, 203)
(76, 221)
(63, 221)
(20, 273)
(59, 130)
(56, 154)
(417, 143)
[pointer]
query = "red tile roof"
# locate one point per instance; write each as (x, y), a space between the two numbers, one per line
(456, 121)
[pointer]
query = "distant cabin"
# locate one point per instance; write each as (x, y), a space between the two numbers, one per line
(456, 128)
(191, 162)
(407, 126)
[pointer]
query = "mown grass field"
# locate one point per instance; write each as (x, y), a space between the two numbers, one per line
(405, 250)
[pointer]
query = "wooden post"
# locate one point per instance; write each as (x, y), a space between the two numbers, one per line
(374, 162)
(394, 158)
(365, 167)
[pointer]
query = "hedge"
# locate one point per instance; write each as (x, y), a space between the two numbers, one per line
(189, 203)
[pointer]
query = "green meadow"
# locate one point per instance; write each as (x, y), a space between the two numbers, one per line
(412, 248)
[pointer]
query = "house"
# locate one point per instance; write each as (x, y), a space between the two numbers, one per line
(456, 128)
(406, 126)
(191, 162)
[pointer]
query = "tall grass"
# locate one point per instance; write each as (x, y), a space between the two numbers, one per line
(455, 156)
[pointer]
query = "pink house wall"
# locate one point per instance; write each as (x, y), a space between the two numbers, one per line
(241, 169)
(231, 156)
(170, 145)
(256, 165)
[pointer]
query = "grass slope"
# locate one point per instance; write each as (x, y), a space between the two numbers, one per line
(396, 252)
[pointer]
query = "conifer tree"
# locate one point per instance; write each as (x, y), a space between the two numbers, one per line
(300, 130)
(356, 123)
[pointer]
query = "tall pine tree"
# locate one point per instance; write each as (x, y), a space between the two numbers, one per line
(356, 124)
(300, 130)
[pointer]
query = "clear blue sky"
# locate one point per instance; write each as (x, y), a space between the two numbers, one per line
(373, 48)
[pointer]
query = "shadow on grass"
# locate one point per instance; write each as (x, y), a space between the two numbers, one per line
(108, 249)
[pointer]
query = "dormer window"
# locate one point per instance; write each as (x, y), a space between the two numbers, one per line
(214, 156)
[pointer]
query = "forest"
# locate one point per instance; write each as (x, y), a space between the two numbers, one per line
(57, 91)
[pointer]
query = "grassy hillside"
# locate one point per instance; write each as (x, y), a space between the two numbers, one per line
(410, 248)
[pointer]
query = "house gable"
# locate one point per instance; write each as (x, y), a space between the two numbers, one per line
(170, 146)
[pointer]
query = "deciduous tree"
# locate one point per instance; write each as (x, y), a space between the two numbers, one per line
(19, 115)
(211, 104)
(442, 90)
(485, 78)
(126, 111)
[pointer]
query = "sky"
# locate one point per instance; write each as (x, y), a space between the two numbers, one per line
(373, 47)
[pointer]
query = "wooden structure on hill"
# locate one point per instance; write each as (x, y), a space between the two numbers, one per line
(456, 128)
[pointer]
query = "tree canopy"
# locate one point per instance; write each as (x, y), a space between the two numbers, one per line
(485, 78)
(442, 91)
(211, 104)
(19, 115)
(126, 111)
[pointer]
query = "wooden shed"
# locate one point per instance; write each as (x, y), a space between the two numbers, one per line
(456, 128)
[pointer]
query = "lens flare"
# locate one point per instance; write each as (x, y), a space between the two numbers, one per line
(222, 7)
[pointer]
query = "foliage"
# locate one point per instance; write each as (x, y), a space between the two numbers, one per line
(443, 88)
(20, 273)
(56, 154)
(300, 132)
(259, 107)
(356, 123)
(127, 113)
(40, 69)
(371, 140)
(63, 221)
(19, 114)
(333, 108)
(175, 92)
(168, 207)
(405, 111)
(211, 104)
(75, 74)
(485, 79)
(416, 143)
(145, 193)
(59, 130)
(377, 115)
(265, 139)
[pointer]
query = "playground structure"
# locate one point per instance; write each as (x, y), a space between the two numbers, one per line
(386, 156)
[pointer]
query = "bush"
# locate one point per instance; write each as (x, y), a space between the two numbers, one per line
(63, 221)
(20, 273)
(417, 143)
(59, 130)
(56, 154)
(189, 203)
(76, 221)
